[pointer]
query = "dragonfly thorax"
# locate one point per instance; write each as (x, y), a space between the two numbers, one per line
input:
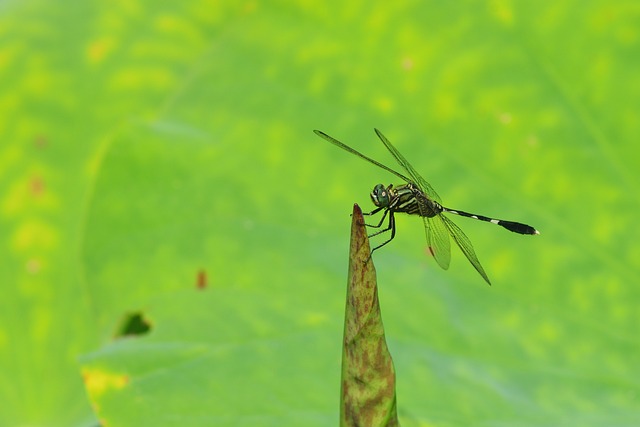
(381, 196)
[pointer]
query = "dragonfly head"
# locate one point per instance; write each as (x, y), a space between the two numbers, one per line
(380, 195)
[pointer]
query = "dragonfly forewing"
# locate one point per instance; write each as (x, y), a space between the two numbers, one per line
(359, 154)
(415, 176)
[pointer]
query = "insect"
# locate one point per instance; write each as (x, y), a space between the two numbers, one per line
(417, 197)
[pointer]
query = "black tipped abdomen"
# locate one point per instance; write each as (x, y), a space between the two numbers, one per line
(517, 227)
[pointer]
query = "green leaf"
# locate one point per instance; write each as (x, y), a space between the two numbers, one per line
(193, 369)
(145, 145)
(368, 395)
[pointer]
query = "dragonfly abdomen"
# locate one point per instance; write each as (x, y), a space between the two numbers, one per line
(516, 227)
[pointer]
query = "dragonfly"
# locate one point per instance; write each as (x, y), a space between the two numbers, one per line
(417, 197)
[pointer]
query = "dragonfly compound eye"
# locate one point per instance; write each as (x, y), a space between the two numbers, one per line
(380, 196)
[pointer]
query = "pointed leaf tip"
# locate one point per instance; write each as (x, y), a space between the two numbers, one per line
(368, 376)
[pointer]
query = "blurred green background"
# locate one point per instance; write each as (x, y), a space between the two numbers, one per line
(149, 148)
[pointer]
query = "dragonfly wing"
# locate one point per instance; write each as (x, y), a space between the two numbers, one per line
(415, 176)
(359, 154)
(465, 245)
(438, 240)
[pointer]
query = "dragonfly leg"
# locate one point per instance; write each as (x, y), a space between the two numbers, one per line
(392, 227)
(381, 219)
